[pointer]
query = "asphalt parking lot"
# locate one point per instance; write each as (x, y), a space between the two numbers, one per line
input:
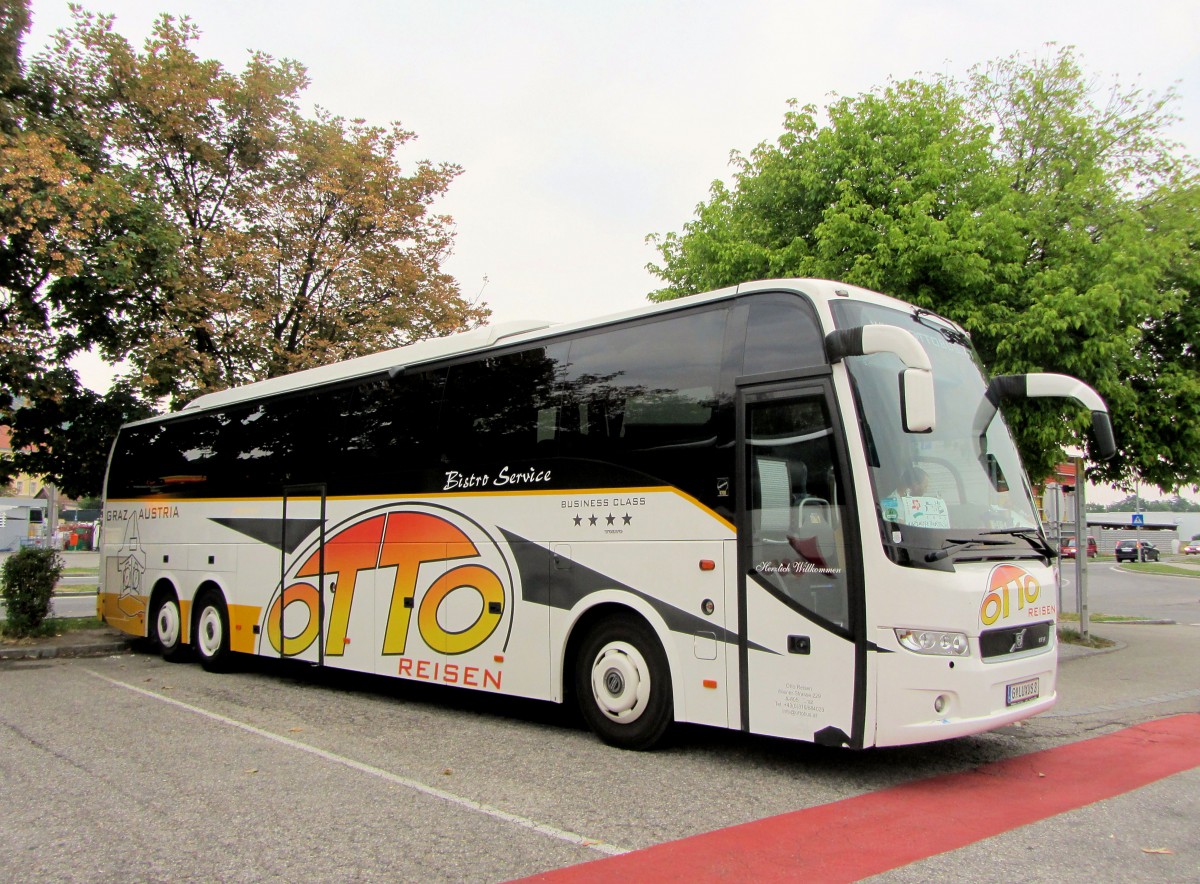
(127, 768)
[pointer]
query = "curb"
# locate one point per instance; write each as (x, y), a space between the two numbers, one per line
(47, 652)
(1079, 652)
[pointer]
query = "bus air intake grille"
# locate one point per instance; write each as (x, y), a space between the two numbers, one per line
(1014, 640)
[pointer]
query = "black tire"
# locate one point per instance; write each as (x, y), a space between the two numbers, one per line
(210, 632)
(623, 683)
(166, 627)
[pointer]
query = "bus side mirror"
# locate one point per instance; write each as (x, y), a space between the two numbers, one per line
(1060, 386)
(917, 400)
(1102, 429)
(916, 380)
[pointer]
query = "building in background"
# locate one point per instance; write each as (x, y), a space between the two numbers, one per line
(22, 485)
(1166, 530)
(22, 522)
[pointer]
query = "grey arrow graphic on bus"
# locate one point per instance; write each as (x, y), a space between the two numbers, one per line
(546, 580)
(271, 531)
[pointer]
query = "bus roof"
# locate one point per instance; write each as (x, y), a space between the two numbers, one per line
(505, 333)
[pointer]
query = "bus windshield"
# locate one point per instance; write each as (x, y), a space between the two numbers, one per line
(958, 492)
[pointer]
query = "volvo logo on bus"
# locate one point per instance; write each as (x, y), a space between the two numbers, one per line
(417, 558)
(1018, 641)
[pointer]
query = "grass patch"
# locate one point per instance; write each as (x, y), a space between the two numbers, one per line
(1159, 568)
(79, 572)
(1072, 617)
(77, 589)
(59, 625)
(71, 624)
(1074, 637)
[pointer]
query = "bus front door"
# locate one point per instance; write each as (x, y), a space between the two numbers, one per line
(799, 595)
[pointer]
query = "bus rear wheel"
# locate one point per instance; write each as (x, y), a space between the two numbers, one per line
(623, 683)
(212, 632)
(166, 627)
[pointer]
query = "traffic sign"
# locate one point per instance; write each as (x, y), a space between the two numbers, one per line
(1139, 519)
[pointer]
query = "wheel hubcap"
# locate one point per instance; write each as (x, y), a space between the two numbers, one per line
(167, 624)
(614, 682)
(210, 631)
(621, 682)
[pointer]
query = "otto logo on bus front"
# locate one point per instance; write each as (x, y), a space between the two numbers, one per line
(1012, 591)
(429, 561)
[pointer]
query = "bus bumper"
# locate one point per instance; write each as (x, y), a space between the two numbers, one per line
(973, 698)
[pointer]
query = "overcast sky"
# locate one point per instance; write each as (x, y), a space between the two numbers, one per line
(583, 127)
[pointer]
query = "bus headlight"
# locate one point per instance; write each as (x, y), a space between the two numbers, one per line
(929, 641)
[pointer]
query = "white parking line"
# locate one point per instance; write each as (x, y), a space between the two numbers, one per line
(470, 804)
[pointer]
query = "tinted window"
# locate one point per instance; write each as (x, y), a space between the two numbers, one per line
(382, 433)
(502, 408)
(646, 396)
(264, 446)
(782, 333)
(173, 458)
(368, 437)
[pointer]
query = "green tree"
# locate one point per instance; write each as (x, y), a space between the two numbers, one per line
(190, 220)
(59, 214)
(1056, 228)
(1131, 503)
(301, 241)
(341, 255)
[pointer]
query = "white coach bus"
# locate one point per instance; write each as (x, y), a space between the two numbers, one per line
(789, 507)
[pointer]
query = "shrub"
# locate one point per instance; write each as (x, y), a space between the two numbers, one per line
(28, 577)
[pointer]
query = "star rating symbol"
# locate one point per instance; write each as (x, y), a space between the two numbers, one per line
(593, 520)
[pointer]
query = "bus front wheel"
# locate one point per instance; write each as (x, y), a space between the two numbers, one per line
(212, 632)
(623, 683)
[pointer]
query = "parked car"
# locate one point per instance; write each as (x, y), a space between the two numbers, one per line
(1128, 551)
(1068, 548)
(1192, 548)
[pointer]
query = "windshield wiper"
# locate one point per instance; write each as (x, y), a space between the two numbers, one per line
(952, 335)
(956, 543)
(1033, 535)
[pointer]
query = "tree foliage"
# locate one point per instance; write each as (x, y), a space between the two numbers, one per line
(1133, 503)
(193, 222)
(1058, 225)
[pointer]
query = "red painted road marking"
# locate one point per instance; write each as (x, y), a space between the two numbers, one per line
(825, 843)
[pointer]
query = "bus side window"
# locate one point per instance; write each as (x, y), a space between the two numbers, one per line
(797, 543)
(645, 398)
(271, 444)
(498, 405)
(173, 459)
(782, 333)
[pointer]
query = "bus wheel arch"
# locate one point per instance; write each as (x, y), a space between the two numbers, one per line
(165, 627)
(621, 677)
(210, 627)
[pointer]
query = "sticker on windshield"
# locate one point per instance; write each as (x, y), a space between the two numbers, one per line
(921, 512)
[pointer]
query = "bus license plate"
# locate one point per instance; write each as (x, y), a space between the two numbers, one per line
(1020, 691)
